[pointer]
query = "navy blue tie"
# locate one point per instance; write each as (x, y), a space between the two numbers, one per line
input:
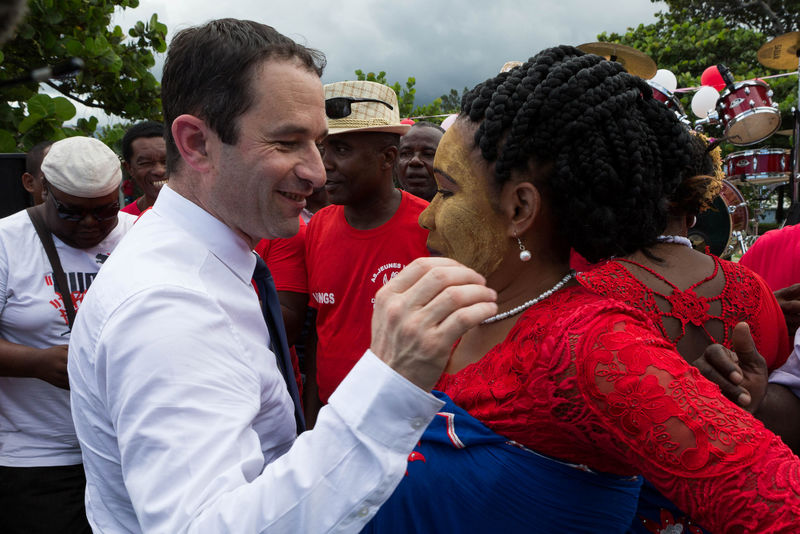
(271, 308)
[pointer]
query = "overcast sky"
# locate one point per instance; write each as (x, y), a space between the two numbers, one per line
(444, 44)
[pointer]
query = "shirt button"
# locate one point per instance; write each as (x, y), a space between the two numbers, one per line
(364, 512)
(416, 424)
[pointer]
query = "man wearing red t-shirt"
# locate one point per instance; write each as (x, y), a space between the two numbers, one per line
(776, 257)
(366, 237)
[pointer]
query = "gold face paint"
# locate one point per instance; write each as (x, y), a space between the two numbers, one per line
(461, 218)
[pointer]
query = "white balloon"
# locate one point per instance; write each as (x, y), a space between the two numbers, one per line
(666, 79)
(704, 101)
(449, 120)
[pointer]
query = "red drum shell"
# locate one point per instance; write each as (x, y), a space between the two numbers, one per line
(747, 113)
(759, 167)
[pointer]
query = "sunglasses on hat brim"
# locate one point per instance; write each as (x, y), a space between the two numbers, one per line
(339, 107)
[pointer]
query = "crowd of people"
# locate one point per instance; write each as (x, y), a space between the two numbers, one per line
(501, 326)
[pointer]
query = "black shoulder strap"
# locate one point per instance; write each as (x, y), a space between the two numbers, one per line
(58, 272)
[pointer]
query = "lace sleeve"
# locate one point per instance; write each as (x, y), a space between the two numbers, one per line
(712, 459)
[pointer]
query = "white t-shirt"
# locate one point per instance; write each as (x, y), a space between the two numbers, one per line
(35, 422)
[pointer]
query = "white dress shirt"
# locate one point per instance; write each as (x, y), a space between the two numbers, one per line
(183, 417)
(789, 373)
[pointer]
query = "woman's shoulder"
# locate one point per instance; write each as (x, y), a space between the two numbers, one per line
(578, 309)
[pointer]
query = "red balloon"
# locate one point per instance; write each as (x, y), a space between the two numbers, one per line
(712, 77)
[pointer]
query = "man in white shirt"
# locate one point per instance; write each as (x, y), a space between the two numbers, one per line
(41, 477)
(183, 417)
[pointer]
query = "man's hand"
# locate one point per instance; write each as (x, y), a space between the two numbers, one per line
(422, 311)
(50, 365)
(741, 374)
(789, 300)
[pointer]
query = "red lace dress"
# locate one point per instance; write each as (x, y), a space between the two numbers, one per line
(744, 297)
(588, 380)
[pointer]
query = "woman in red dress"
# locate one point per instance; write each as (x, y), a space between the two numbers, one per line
(568, 150)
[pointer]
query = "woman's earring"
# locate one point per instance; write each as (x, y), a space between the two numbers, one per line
(524, 254)
(692, 221)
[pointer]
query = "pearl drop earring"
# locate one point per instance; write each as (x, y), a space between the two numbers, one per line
(524, 254)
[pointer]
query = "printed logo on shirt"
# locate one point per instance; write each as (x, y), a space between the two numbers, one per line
(324, 298)
(78, 285)
(386, 272)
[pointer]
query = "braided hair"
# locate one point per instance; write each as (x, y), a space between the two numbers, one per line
(702, 179)
(614, 152)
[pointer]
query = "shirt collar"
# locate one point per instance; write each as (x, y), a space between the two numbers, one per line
(218, 237)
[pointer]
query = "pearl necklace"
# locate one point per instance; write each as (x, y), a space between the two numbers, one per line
(676, 239)
(528, 304)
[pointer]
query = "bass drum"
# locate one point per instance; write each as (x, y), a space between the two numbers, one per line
(721, 227)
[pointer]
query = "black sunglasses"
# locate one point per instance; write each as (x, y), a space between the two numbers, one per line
(73, 214)
(339, 107)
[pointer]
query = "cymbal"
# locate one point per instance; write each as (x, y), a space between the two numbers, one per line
(635, 62)
(781, 52)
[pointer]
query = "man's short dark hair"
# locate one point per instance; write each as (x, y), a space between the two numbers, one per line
(34, 157)
(137, 131)
(426, 124)
(209, 69)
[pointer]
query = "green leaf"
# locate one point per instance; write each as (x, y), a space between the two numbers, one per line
(64, 109)
(29, 122)
(41, 104)
(7, 142)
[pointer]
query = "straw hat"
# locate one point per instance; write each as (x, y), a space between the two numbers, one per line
(366, 116)
(508, 65)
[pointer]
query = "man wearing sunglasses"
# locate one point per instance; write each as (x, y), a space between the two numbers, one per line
(183, 414)
(368, 235)
(41, 476)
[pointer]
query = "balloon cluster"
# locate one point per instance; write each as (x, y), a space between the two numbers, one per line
(705, 99)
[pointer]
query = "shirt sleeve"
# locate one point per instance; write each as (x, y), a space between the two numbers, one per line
(789, 374)
(185, 409)
(697, 448)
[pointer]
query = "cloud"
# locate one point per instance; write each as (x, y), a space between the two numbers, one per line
(443, 44)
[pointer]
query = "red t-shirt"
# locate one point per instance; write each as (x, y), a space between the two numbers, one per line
(286, 260)
(346, 267)
(132, 208)
(776, 257)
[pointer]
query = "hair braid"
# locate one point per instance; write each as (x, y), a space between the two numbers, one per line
(616, 153)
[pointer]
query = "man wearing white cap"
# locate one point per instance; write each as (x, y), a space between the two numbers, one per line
(369, 234)
(41, 476)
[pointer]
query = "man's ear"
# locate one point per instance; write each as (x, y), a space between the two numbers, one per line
(27, 182)
(389, 154)
(192, 136)
(127, 167)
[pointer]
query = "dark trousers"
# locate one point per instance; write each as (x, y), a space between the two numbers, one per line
(43, 500)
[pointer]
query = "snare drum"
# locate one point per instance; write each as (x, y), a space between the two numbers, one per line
(748, 114)
(759, 167)
(720, 226)
(662, 94)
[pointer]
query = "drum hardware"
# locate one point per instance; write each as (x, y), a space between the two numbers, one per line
(635, 62)
(666, 97)
(723, 228)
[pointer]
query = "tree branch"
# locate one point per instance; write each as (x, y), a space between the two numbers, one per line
(72, 97)
(777, 25)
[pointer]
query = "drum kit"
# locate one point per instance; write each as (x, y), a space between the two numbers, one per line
(748, 116)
